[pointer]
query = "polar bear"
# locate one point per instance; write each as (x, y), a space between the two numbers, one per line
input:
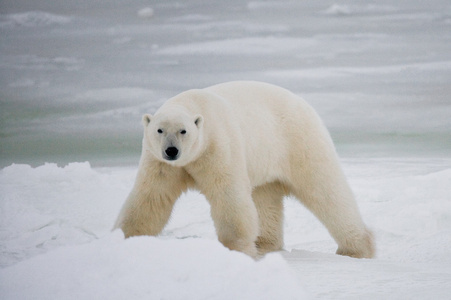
(244, 145)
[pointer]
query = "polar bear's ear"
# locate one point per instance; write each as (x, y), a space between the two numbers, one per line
(198, 120)
(146, 119)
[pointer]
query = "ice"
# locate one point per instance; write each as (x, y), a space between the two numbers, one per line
(146, 12)
(246, 46)
(32, 19)
(338, 10)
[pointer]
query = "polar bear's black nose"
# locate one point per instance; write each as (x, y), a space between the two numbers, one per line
(171, 152)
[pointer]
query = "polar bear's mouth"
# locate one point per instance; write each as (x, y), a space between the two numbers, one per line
(171, 153)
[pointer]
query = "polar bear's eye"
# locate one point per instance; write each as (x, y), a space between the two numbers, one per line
(183, 131)
(160, 131)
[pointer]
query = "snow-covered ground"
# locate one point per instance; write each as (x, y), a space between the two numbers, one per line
(76, 76)
(56, 241)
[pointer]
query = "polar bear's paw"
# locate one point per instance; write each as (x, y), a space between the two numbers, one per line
(363, 247)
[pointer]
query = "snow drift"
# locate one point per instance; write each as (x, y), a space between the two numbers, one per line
(56, 240)
(149, 268)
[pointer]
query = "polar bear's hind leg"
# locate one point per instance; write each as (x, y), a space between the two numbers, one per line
(268, 200)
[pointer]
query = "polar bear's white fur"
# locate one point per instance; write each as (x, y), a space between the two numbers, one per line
(244, 145)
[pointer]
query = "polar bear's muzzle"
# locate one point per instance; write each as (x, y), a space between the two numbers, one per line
(171, 153)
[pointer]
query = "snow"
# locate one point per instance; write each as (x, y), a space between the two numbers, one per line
(75, 79)
(56, 243)
(56, 240)
(148, 268)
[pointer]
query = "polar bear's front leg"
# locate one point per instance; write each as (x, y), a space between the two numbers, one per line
(235, 218)
(149, 205)
(144, 214)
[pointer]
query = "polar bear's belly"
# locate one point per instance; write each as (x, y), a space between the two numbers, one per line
(265, 165)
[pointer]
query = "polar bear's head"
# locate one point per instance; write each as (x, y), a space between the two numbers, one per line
(173, 137)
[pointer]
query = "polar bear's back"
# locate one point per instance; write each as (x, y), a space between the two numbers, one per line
(253, 96)
(275, 123)
(265, 109)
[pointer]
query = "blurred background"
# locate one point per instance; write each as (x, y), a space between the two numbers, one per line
(76, 76)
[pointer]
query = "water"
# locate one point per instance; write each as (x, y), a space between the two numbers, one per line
(75, 77)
